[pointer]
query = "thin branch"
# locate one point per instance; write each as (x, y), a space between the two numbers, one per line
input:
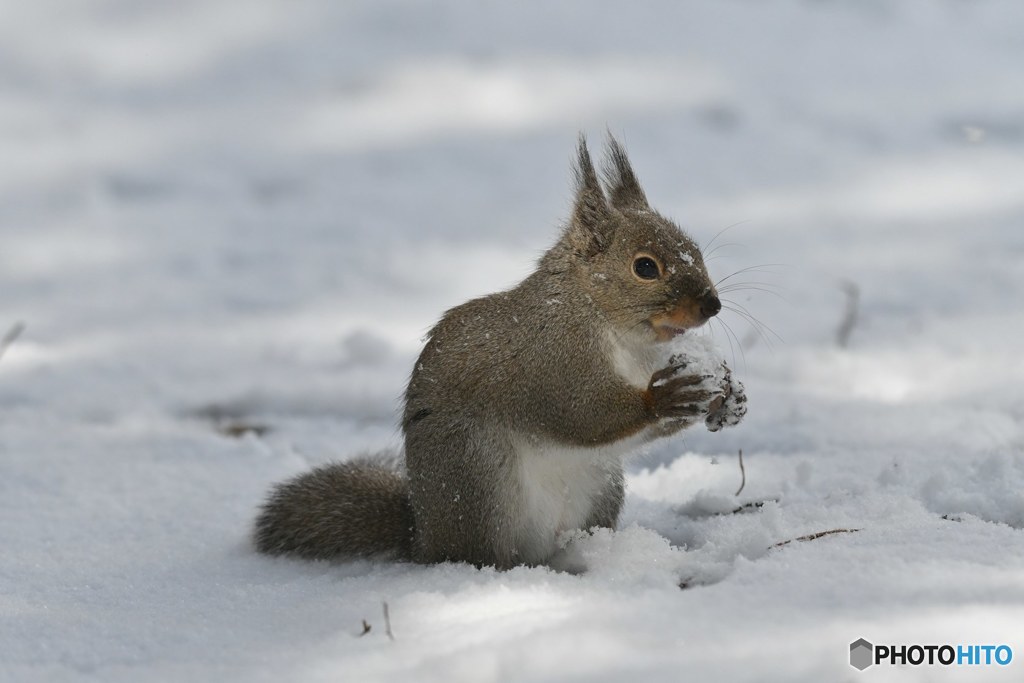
(752, 505)
(11, 336)
(387, 622)
(366, 629)
(239, 429)
(850, 315)
(743, 474)
(814, 536)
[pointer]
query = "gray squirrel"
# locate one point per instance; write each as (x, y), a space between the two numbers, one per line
(523, 403)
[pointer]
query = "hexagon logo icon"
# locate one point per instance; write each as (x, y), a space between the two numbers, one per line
(861, 654)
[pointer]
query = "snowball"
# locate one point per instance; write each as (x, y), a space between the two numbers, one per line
(699, 354)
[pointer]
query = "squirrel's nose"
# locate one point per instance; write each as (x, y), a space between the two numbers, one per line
(710, 305)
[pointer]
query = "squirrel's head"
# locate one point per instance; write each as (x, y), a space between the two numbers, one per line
(637, 266)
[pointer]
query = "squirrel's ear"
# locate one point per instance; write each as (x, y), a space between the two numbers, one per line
(623, 187)
(589, 224)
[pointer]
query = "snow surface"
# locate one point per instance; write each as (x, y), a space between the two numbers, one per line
(229, 216)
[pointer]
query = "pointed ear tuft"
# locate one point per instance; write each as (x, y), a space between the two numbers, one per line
(588, 227)
(623, 187)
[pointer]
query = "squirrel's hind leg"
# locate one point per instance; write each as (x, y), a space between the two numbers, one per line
(460, 485)
(606, 509)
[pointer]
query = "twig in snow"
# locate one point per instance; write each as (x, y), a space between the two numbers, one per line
(752, 505)
(387, 622)
(850, 315)
(814, 536)
(366, 629)
(743, 474)
(11, 336)
(237, 430)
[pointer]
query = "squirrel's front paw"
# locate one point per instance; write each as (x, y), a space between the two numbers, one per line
(729, 407)
(678, 395)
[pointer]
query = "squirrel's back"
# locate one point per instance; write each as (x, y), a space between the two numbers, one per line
(492, 357)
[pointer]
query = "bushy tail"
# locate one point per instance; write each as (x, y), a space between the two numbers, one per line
(353, 509)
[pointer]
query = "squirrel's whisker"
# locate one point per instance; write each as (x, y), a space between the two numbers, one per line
(718, 234)
(729, 336)
(710, 255)
(754, 318)
(760, 268)
(760, 328)
(744, 287)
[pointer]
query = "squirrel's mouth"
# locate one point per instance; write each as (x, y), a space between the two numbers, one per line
(675, 322)
(671, 331)
(664, 333)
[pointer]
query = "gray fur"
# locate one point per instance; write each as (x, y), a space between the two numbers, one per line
(357, 508)
(529, 365)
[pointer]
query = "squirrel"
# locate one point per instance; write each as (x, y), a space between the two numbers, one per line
(523, 404)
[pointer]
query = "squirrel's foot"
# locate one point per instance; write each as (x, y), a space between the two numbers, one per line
(729, 407)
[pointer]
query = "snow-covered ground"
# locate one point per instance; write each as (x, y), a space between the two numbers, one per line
(216, 215)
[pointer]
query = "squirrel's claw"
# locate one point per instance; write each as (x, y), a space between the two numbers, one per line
(677, 395)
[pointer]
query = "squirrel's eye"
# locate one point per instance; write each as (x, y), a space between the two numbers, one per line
(645, 268)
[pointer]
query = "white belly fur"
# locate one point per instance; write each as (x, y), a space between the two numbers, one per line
(634, 358)
(559, 486)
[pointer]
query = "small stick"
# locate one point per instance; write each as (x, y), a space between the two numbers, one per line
(387, 622)
(849, 320)
(743, 474)
(814, 536)
(11, 336)
(366, 629)
(752, 505)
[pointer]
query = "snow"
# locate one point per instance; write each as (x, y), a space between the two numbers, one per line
(240, 218)
(695, 354)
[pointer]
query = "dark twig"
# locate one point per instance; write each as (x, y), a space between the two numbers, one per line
(752, 505)
(850, 315)
(815, 536)
(387, 622)
(743, 474)
(366, 629)
(11, 336)
(237, 430)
